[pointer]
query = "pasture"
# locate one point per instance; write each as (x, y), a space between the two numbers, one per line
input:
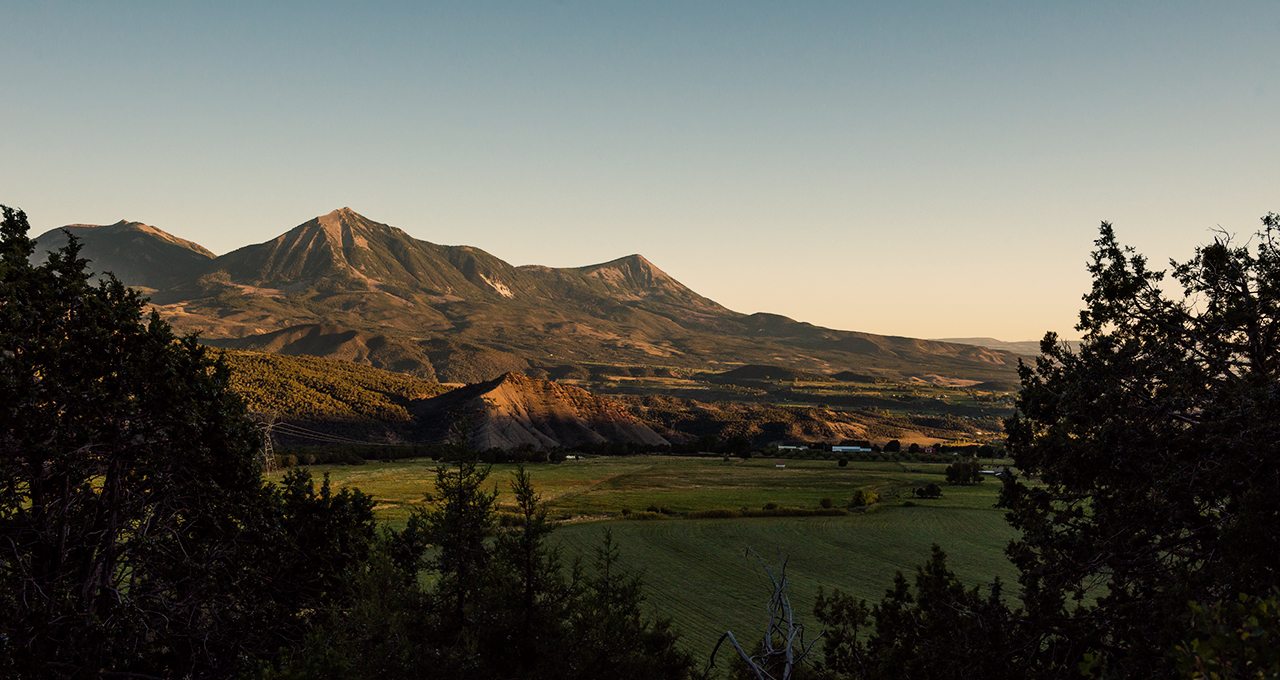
(696, 570)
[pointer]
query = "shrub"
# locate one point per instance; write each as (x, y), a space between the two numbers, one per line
(964, 472)
(863, 498)
(794, 512)
(929, 491)
(826, 503)
(844, 462)
(770, 506)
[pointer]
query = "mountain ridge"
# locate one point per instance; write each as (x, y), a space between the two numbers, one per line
(460, 314)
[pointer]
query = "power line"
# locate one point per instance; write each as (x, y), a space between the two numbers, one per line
(305, 433)
(314, 434)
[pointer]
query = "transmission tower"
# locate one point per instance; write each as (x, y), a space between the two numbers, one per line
(266, 425)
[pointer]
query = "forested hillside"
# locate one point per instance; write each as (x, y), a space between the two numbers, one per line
(324, 390)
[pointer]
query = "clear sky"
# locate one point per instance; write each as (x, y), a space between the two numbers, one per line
(923, 169)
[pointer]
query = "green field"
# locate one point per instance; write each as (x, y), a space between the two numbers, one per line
(697, 570)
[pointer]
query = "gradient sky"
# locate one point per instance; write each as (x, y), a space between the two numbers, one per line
(922, 169)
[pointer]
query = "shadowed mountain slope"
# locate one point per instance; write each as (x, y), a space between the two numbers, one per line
(138, 254)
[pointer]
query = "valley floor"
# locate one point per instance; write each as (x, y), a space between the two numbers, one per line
(697, 571)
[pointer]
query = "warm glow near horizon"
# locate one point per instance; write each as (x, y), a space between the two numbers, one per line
(928, 170)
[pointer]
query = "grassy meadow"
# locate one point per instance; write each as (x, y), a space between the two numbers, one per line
(697, 570)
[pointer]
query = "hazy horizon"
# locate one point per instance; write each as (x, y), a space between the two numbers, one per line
(919, 170)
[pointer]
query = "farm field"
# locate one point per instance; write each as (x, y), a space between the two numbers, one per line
(602, 488)
(696, 570)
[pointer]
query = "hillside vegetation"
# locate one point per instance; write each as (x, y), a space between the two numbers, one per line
(312, 389)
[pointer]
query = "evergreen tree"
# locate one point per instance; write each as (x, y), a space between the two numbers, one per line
(530, 590)
(1151, 470)
(127, 469)
(375, 634)
(937, 630)
(612, 634)
(964, 472)
(137, 537)
(457, 523)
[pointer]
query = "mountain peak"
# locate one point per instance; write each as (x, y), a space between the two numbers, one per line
(631, 271)
(343, 247)
(340, 228)
(333, 222)
(342, 213)
(123, 229)
(512, 378)
(635, 277)
(138, 254)
(636, 258)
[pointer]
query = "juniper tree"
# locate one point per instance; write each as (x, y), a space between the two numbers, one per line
(1149, 457)
(137, 537)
